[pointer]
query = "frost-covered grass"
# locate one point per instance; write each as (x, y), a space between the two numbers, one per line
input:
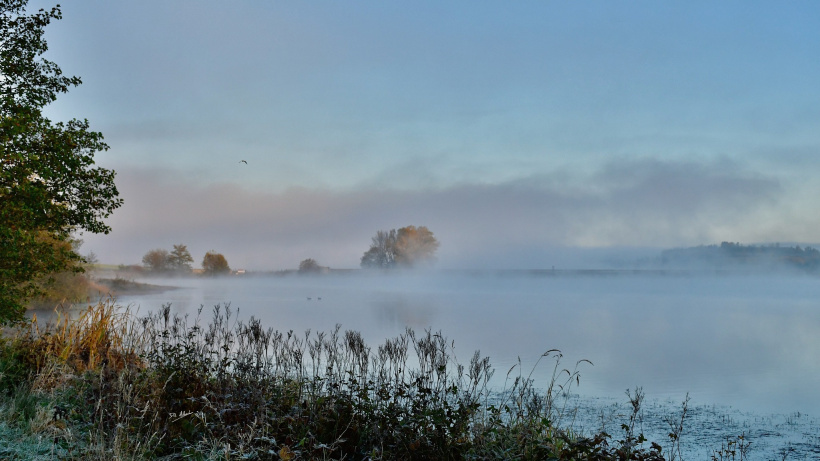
(18, 443)
(110, 385)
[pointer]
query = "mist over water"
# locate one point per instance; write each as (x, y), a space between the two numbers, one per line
(750, 342)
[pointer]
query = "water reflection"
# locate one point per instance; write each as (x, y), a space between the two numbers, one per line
(396, 311)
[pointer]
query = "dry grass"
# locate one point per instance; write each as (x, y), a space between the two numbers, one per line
(110, 385)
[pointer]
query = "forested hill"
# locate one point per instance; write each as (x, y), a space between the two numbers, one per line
(735, 256)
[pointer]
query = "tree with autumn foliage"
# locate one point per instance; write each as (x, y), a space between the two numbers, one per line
(177, 261)
(406, 247)
(215, 264)
(156, 260)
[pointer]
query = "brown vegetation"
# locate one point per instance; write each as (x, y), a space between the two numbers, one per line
(119, 387)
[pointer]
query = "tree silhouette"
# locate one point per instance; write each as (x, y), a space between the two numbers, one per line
(308, 266)
(180, 259)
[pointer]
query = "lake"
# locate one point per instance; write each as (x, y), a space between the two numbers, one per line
(749, 344)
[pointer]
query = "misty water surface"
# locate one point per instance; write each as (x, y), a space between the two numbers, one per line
(750, 342)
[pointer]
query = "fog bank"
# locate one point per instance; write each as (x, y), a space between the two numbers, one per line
(622, 212)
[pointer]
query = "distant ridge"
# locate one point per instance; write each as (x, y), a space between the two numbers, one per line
(730, 255)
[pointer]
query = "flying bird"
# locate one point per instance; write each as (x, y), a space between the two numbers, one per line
(243, 161)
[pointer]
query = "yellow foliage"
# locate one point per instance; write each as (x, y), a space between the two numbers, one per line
(286, 454)
(102, 334)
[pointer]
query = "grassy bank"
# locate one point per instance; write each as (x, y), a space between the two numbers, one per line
(109, 385)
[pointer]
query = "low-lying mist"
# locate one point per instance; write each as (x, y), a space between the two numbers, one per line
(747, 340)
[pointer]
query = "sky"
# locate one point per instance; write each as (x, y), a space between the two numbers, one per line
(526, 134)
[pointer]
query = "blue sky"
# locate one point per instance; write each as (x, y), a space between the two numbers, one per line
(515, 131)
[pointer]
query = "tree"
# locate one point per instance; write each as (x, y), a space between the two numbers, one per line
(65, 286)
(215, 264)
(159, 260)
(91, 258)
(309, 266)
(156, 260)
(49, 185)
(180, 259)
(414, 246)
(406, 247)
(382, 252)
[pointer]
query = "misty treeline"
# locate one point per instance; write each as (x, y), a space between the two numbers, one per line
(408, 246)
(728, 255)
(179, 261)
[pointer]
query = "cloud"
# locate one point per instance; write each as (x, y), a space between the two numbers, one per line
(527, 222)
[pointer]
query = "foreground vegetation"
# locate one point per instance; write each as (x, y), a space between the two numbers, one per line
(109, 385)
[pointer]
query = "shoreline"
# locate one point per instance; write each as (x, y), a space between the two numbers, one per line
(120, 286)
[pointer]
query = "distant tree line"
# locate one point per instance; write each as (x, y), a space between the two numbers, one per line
(179, 261)
(406, 247)
(729, 254)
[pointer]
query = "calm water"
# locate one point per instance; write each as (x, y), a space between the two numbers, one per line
(744, 343)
